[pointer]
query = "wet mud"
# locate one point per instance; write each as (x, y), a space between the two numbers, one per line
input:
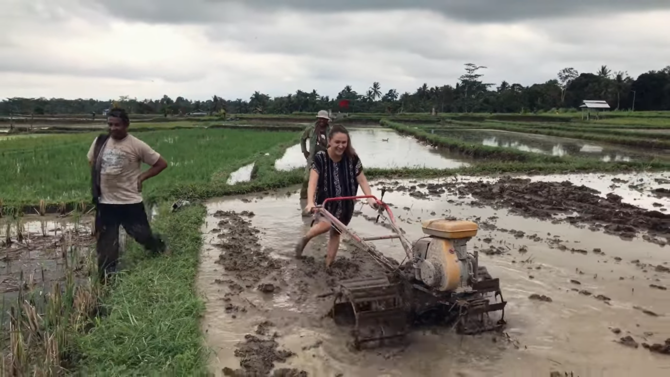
(577, 204)
(579, 298)
(249, 268)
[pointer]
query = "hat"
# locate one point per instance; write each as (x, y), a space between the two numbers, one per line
(323, 114)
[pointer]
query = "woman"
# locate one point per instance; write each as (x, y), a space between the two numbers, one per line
(336, 172)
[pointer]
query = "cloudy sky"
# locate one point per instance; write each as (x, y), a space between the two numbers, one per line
(197, 48)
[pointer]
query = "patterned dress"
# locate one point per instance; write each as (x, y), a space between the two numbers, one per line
(337, 179)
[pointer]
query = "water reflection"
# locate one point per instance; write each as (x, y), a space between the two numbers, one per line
(548, 145)
(383, 148)
(242, 174)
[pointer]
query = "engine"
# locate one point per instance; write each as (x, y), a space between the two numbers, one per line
(442, 261)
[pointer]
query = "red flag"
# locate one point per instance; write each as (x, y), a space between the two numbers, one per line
(344, 104)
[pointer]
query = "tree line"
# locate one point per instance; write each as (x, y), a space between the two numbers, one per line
(649, 91)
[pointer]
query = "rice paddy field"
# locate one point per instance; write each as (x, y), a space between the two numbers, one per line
(61, 321)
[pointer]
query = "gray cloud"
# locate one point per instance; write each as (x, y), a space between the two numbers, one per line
(14, 60)
(195, 11)
(231, 48)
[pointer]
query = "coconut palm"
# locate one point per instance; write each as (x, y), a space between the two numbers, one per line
(376, 90)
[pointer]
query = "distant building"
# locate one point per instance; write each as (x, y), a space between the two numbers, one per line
(593, 107)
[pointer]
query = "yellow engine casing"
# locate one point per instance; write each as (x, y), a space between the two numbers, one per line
(445, 264)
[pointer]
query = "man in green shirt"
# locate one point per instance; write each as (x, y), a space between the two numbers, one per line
(318, 141)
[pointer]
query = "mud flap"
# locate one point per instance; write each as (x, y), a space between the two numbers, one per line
(374, 308)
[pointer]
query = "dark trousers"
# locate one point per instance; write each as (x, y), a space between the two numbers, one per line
(134, 220)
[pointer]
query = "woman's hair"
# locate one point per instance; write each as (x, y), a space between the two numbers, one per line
(339, 129)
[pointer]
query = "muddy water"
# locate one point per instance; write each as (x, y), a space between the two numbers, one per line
(42, 253)
(571, 333)
(383, 148)
(550, 145)
(242, 174)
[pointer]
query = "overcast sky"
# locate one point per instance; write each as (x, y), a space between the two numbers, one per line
(197, 48)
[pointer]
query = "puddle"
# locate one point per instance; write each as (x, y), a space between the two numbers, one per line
(383, 148)
(570, 334)
(549, 145)
(242, 174)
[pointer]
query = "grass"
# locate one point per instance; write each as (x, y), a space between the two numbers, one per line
(496, 159)
(54, 169)
(468, 149)
(587, 128)
(153, 321)
(631, 139)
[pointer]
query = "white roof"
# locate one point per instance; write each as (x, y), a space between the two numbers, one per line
(590, 104)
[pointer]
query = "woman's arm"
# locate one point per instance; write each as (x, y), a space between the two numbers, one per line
(311, 187)
(363, 182)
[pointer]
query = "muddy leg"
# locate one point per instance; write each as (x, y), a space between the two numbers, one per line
(333, 245)
(319, 228)
(303, 190)
(305, 182)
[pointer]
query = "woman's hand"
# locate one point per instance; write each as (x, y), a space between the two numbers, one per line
(309, 208)
(373, 203)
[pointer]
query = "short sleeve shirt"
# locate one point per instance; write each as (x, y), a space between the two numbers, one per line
(121, 167)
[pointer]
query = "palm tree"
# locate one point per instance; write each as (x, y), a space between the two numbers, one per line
(604, 72)
(390, 96)
(370, 95)
(376, 90)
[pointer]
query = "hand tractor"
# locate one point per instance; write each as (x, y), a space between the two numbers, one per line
(439, 282)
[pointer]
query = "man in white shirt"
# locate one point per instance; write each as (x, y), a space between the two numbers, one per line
(117, 177)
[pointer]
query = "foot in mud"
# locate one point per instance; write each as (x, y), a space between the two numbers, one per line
(299, 247)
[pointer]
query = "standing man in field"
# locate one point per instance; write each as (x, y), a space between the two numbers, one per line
(117, 178)
(318, 141)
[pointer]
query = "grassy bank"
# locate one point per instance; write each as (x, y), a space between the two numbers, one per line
(468, 149)
(152, 326)
(587, 128)
(507, 160)
(631, 139)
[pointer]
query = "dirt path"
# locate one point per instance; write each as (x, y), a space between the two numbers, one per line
(579, 300)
